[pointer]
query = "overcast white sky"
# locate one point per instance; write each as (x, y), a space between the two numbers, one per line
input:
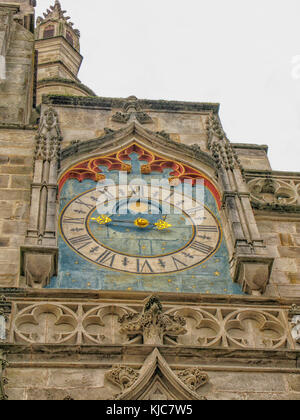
(243, 54)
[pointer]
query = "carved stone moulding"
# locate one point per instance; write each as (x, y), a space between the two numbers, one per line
(88, 323)
(271, 191)
(38, 265)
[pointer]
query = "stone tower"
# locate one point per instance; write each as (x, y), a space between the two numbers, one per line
(198, 303)
(59, 59)
(16, 61)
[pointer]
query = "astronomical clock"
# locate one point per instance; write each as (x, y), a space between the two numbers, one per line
(138, 221)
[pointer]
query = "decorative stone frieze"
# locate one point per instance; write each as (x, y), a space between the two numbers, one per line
(274, 193)
(67, 324)
(153, 325)
(209, 326)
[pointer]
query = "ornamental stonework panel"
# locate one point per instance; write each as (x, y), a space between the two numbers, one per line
(104, 324)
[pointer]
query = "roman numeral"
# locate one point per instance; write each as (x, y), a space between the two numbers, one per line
(208, 228)
(177, 262)
(198, 246)
(141, 267)
(169, 196)
(106, 256)
(106, 192)
(82, 203)
(82, 240)
(74, 220)
(194, 210)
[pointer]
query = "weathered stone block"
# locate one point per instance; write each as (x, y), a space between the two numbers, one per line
(20, 160)
(4, 180)
(6, 209)
(20, 181)
(70, 378)
(289, 252)
(15, 195)
(4, 242)
(29, 377)
(294, 382)
(14, 227)
(3, 160)
(247, 382)
(294, 278)
(18, 170)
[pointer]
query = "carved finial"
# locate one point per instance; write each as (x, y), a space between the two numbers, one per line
(152, 323)
(193, 377)
(48, 138)
(122, 376)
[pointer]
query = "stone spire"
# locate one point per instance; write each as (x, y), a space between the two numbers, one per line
(55, 23)
(56, 14)
(59, 58)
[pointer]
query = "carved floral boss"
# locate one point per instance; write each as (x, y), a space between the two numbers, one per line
(90, 169)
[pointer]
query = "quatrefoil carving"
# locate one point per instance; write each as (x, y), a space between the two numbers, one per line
(255, 329)
(202, 327)
(46, 323)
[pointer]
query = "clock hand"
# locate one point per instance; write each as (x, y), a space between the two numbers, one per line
(139, 222)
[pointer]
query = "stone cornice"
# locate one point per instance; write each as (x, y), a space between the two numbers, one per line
(81, 148)
(60, 81)
(134, 297)
(18, 127)
(253, 146)
(147, 104)
(244, 359)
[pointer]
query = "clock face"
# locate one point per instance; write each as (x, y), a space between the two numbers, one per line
(140, 230)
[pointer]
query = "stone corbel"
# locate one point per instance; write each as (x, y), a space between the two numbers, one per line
(38, 265)
(252, 273)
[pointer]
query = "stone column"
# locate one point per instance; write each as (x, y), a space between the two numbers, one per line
(7, 13)
(250, 265)
(39, 256)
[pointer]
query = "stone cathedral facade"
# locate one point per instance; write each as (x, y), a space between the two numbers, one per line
(102, 298)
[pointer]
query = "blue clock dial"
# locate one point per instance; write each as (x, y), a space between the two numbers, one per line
(140, 236)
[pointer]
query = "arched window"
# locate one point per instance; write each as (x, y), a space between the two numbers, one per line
(49, 31)
(70, 38)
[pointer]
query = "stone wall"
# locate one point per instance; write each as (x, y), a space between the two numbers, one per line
(282, 238)
(16, 153)
(16, 88)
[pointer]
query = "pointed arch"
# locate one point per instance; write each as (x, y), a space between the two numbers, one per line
(156, 376)
(82, 160)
